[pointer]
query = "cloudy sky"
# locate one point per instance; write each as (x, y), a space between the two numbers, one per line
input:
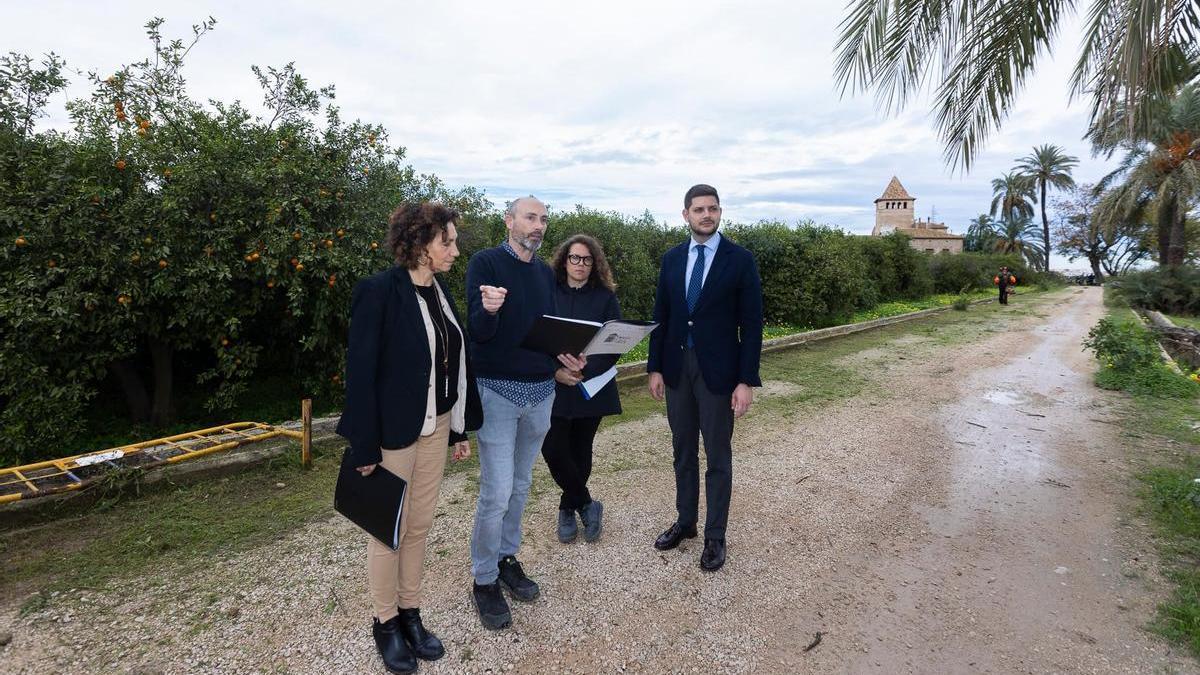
(618, 105)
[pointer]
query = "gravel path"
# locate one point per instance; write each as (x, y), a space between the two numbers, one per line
(911, 539)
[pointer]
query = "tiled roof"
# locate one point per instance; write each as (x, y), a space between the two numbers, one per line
(894, 190)
(927, 233)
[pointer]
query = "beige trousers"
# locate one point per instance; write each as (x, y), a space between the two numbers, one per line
(394, 577)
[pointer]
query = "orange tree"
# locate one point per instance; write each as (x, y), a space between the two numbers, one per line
(162, 238)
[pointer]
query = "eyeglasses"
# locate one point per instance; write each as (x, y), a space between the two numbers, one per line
(585, 260)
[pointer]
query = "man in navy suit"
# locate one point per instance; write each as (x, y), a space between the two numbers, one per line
(705, 356)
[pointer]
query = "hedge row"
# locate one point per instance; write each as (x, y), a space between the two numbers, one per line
(812, 275)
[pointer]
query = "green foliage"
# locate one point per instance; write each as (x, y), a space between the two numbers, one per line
(1130, 361)
(812, 276)
(164, 236)
(1174, 290)
(974, 271)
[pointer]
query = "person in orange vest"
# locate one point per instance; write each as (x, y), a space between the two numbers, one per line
(1003, 281)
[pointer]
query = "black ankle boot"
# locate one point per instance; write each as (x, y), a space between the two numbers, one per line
(397, 657)
(424, 644)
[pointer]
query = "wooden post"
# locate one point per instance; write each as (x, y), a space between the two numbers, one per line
(306, 431)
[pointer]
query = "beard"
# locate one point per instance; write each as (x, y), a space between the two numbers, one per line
(530, 244)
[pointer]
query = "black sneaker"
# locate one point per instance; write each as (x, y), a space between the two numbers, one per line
(513, 577)
(491, 605)
(591, 517)
(567, 527)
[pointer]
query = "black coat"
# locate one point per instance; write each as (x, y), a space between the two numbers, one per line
(726, 325)
(387, 367)
(590, 303)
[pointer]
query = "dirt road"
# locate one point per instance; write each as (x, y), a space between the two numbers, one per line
(965, 512)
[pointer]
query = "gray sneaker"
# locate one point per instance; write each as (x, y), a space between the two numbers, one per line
(590, 515)
(567, 527)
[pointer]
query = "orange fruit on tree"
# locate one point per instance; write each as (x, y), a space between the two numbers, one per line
(20, 241)
(141, 132)
(148, 240)
(120, 165)
(162, 263)
(51, 263)
(248, 258)
(332, 280)
(212, 217)
(254, 256)
(295, 261)
(166, 173)
(144, 124)
(120, 115)
(328, 243)
(296, 235)
(299, 267)
(270, 283)
(341, 233)
(224, 342)
(374, 245)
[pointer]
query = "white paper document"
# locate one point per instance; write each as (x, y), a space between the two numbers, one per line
(618, 337)
(593, 386)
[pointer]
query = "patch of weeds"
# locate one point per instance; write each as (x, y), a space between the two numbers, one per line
(34, 603)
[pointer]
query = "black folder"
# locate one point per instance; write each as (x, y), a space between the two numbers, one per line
(374, 503)
(554, 335)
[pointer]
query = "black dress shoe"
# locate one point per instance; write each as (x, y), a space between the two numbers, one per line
(397, 657)
(674, 534)
(713, 556)
(424, 644)
(493, 609)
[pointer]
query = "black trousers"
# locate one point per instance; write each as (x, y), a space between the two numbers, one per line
(1004, 295)
(693, 411)
(568, 452)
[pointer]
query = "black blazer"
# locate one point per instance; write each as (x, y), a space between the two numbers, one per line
(590, 303)
(387, 367)
(726, 326)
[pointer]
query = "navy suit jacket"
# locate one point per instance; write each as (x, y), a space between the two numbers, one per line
(387, 367)
(726, 324)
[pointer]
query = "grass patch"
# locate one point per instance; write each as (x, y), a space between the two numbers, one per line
(170, 526)
(1165, 405)
(1184, 321)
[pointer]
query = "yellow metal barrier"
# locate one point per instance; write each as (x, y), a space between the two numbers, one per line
(73, 473)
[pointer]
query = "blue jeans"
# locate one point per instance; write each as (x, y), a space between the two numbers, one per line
(509, 443)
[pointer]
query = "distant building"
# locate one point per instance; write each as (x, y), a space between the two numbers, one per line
(894, 213)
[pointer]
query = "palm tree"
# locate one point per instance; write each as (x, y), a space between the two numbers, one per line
(1160, 176)
(981, 234)
(1020, 236)
(1047, 166)
(1012, 196)
(979, 53)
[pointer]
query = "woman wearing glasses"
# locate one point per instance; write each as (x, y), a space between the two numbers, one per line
(585, 291)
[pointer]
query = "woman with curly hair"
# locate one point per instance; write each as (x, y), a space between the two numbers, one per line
(585, 290)
(410, 393)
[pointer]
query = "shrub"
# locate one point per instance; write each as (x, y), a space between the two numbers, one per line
(1174, 290)
(1131, 361)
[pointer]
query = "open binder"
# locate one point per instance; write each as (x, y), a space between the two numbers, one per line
(556, 335)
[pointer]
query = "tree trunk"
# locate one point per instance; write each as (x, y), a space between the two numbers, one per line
(1175, 248)
(1165, 225)
(135, 392)
(1045, 227)
(1095, 261)
(161, 354)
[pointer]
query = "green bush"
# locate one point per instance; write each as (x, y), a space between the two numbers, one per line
(1173, 290)
(1131, 361)
(897, 270)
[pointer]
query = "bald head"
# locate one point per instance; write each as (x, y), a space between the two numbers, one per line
(526, 220)
(523, 202)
